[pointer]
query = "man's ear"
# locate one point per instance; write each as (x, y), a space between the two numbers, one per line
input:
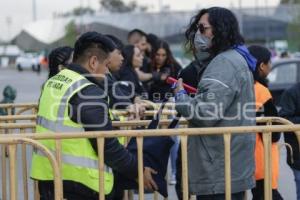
(93, 63)
(261, 66)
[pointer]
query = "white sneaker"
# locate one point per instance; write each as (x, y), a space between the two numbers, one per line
(172, 180)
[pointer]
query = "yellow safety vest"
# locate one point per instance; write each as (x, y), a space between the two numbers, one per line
(79, 160)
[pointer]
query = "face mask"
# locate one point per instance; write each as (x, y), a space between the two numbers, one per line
(202, 44)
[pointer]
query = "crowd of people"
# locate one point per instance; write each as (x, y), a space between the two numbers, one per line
(101, 74)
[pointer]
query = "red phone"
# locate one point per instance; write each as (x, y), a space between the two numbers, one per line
(188, 88)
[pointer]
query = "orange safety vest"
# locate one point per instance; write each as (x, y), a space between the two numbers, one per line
(262, 95)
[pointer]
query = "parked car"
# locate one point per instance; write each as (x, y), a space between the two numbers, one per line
(284, 74)
(28, 61)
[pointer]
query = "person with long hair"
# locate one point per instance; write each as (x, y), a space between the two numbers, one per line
(225, 88)
(164, 63)
(264, 107)
(133, 59)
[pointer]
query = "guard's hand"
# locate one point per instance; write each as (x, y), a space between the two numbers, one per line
(141, 109)
(136, 111)
(132, 112)
(149, 183)
(179, 86)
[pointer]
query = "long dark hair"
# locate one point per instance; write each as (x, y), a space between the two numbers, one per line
(58, 56)
(127, 53)
(225, 29)
(170, 60)
(262, 55)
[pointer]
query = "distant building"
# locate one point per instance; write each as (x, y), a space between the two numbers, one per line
(258, 25)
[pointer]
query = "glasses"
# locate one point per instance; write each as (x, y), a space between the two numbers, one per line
(202, 28)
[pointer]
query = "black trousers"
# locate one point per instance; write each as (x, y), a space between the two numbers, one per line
(258, 192)
(72, 191)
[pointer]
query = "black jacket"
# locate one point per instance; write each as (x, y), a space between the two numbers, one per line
(131, 83)
(290, 109)
(268, 109)
(95, 112)
(118, 97)
(115, 155)
(160, 89)
(191, 74)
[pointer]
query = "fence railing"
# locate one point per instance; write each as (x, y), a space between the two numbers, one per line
(32, 139)
(21, 108)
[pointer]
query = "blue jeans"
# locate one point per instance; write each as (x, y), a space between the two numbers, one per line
(173, 155)
(297, 181)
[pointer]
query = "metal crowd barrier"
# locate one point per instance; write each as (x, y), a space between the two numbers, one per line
(20, 108)
(13, 139)
(32, 139)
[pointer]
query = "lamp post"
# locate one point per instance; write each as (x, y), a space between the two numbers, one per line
(241, 16)
(34, 10)
(267, 31)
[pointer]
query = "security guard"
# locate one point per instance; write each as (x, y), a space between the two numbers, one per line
(69, 103)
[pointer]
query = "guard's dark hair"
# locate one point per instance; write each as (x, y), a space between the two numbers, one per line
(225, 29)
(92, 44)
(262, 55)
(58, 56)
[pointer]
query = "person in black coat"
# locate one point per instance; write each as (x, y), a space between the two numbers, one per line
(290, 109)
(118, 98)
(162, 62)
(133, 59)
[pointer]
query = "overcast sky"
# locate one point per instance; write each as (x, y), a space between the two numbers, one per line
(15, 13)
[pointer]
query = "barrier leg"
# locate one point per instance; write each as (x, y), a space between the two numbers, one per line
(3, 166)
(227, 141)
(185, 192)
(36, 190)
(139, 141)
(100, 143)
(12, 149)
(24, 168)
(268, 166)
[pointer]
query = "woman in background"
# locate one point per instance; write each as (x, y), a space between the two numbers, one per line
(133, 59)
(162, 62)
(59, 58)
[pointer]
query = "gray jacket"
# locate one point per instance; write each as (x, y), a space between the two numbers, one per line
(225, 98)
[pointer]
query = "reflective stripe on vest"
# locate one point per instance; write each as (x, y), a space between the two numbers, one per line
(56, 126)
(74, 160)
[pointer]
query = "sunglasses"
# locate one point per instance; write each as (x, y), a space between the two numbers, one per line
(202, 28)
